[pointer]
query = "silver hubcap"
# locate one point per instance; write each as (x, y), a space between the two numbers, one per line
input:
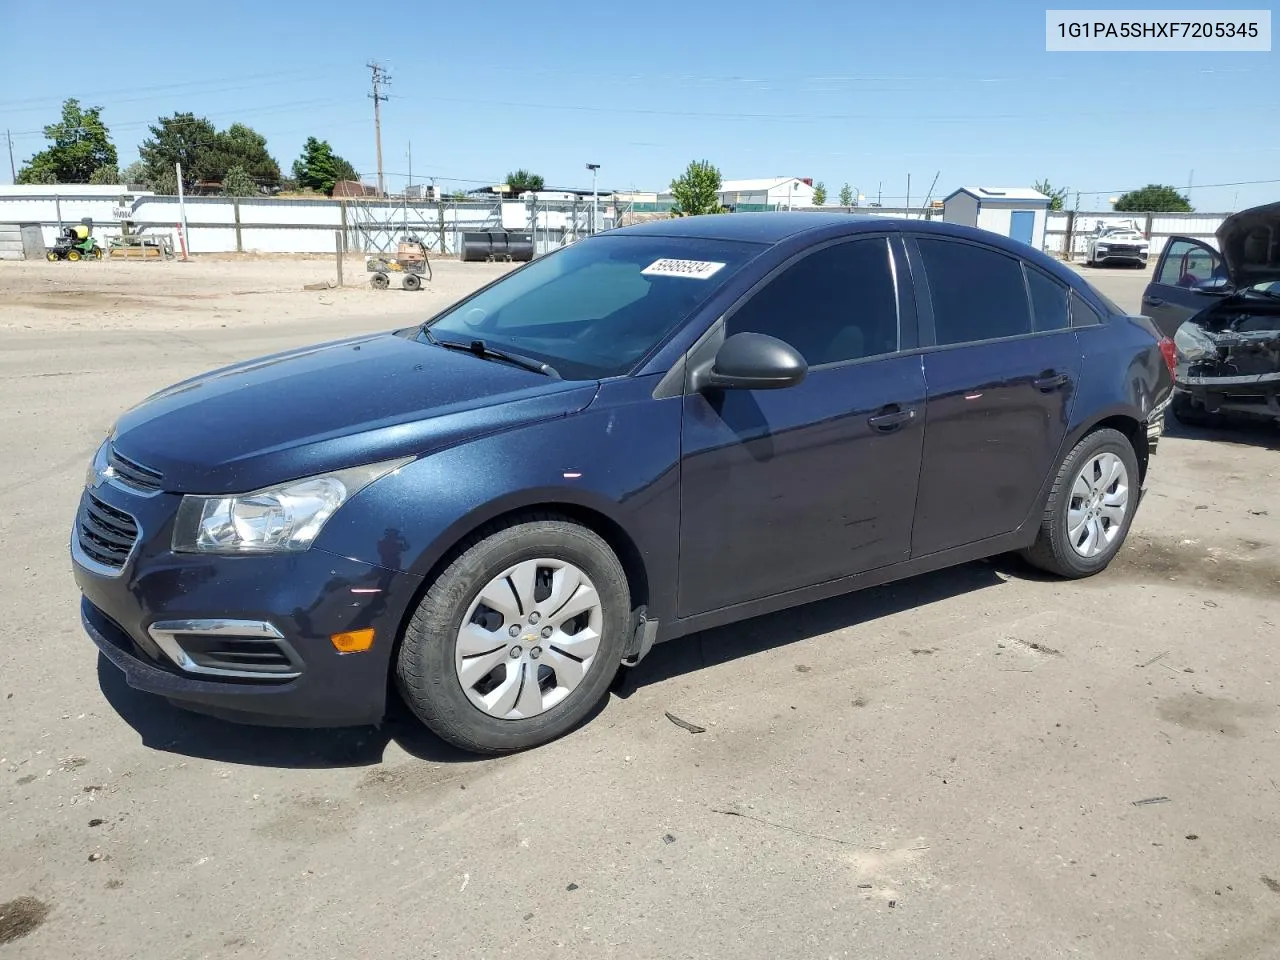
(529, 638)
(1099, 500)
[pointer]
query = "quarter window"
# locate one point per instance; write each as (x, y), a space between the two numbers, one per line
(835, 305)
(1083, 315)
(978, 294)
(1048, 301)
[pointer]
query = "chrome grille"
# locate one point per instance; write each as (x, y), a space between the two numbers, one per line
(133, 474)
(105, 534)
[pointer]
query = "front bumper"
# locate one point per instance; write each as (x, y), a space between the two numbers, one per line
(1255, 395)
(1120, 256)
(299, 601)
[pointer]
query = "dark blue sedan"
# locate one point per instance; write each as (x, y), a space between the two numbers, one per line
(648, 433)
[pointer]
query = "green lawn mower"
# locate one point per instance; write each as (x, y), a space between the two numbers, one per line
(76, 243)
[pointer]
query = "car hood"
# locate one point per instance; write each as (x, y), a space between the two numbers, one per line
(325, 407)
(1250, 245)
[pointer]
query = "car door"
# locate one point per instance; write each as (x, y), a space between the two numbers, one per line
(1001, 382)
(1172, 297)
(782, 489)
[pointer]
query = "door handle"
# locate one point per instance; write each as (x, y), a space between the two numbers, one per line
(891, 419)
(1152, 301)
(1052, 382)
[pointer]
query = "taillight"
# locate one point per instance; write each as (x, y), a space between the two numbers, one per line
(1170, 354)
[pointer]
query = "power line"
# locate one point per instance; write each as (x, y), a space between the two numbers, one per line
(168, 87)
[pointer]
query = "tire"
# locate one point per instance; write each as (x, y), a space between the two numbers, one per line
(380, 281)
(1054, 550)
(52, 257)
(429, 667)
(97, 253)
(411, 282)
(73, 254)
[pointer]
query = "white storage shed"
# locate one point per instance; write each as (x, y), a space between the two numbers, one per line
(1016, 212)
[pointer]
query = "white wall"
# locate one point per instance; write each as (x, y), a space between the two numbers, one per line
(296, 226)
(801, 195)
(997, 217)
(961, 209)
(1199, 226)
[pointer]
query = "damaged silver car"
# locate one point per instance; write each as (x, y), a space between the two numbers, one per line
(1222, 310)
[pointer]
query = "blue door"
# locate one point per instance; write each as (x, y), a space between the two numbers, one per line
(1022, 225)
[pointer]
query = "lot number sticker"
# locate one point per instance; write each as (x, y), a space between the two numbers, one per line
(693, 269)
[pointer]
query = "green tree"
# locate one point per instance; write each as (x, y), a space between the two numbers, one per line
(1153, 198)
(243, 147)
(236, 182)
(697, 190)
(522, 181)
(163, 182)
(846, 196)
(105, 175)
(41, 174)
(79, 144)
(319, 168)
(183, 138)
(819, 194)
(135, 172)
(1057, 195)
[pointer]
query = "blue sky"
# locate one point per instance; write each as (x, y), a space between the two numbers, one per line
(858, 93)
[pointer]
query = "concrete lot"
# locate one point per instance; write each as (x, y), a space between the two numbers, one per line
(947, 767)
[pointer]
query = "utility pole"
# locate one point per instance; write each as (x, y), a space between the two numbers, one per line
(380, 79)
(13, 171)
(595, 197)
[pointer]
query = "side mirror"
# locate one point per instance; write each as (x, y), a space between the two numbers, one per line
(753, 361)
(1216, 285)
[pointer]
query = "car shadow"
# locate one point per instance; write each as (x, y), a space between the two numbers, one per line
(1233, 430)
(713, 647)
(170, 729)
(165, 727)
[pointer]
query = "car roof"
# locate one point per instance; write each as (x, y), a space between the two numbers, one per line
(801, 227)
(752, 227)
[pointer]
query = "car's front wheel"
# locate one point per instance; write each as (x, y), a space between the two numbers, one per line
(1090, 507)
(517, 641)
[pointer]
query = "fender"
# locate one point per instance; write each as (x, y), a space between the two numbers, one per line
(618, 458)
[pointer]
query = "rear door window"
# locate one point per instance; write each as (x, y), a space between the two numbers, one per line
(978, 293)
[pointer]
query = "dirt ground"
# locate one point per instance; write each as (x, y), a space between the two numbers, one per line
(978, 763)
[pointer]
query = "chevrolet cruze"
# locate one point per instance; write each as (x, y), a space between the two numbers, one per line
(650, 432)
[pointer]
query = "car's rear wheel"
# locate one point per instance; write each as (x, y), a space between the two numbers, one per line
(1090, 508)
(517, 641)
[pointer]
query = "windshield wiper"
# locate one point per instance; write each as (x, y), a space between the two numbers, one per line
(483, 350)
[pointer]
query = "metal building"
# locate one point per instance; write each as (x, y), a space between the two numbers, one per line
(1020, 213)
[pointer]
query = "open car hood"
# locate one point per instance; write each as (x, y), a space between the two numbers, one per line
(1250, 245)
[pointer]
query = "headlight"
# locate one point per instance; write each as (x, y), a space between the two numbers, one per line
(1192, 342)
(280, 519)
(97, 466)
(1101, 248)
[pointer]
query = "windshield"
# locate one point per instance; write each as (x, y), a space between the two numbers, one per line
(596, 308)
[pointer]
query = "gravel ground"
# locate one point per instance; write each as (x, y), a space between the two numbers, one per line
(952, 766)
